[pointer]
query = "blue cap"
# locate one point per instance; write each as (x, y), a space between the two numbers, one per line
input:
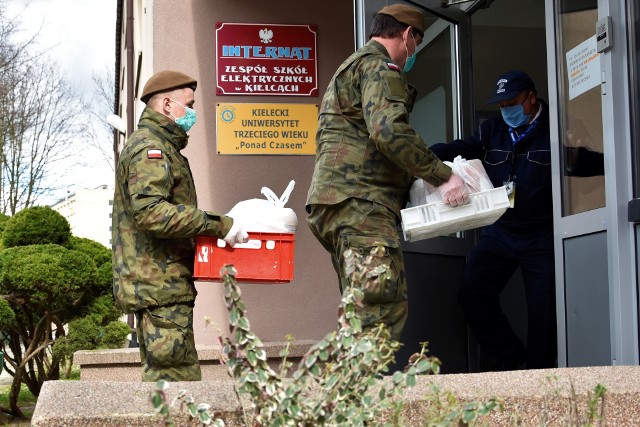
(510, 85)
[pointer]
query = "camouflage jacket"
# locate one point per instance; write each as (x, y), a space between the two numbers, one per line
(155, 218)
(365, 147)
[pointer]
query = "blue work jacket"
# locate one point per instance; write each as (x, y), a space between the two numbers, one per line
(527, 163)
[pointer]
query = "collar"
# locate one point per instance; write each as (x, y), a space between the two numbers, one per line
(531, 124)
(172, 132)
(538, 113)
(374, 46)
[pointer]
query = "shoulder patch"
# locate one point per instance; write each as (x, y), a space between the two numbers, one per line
(393, 66)
(154, 153)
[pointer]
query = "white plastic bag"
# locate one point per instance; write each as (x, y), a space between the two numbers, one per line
(471, 171)
(267, 215)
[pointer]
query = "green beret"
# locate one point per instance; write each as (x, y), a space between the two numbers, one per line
(165, 81)
(406, 15)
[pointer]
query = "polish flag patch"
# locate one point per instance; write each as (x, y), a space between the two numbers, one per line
(154, 153)
(393, 66)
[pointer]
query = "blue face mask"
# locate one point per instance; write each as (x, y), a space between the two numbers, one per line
(514, 115)
(410, 59)
(187, 121)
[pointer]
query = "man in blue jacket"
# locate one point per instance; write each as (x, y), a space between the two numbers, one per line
(515, 152)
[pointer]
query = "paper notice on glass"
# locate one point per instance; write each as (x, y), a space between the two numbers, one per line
(583, 66)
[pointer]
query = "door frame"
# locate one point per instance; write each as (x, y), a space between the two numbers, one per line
(612, 219)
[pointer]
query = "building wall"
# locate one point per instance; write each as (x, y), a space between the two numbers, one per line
(183, 38)
(88, 211)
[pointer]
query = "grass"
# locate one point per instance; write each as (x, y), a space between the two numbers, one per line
(25, 396)
(26, 400)
(75, 375)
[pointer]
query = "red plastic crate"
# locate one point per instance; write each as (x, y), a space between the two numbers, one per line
(265, 258)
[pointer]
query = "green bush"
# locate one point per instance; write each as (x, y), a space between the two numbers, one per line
(7, 315)
(49, 276)
(3, 222)
(35, 226)
(98, 252)
(99, 329)
(105, 279)
(49, 279)
(101, 256)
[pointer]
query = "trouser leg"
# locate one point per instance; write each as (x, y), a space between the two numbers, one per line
(167, 344)
(384, 300)
(359, 225)
(538, 273)
(486, 274)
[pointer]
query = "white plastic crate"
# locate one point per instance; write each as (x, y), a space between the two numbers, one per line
(437, 219)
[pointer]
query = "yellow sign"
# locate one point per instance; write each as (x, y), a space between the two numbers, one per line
(266, 128)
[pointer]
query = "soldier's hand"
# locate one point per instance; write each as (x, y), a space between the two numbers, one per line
(237, 234)
(453, 191)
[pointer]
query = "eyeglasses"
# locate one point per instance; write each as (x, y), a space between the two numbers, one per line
(174, 101)
(510, 104)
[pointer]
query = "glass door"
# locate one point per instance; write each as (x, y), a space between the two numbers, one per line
(581, 115)
(443, 111)
(591, 153)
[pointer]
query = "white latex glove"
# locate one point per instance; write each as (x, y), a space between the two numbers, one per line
(237, 234)
(453, 191)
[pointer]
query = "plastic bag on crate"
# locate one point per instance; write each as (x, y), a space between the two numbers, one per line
(471, 171)
(267, 215)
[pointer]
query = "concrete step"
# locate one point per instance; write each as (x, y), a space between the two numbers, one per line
(537, 397)
(124, 364)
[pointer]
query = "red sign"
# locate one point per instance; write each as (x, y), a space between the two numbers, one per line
(266, 59)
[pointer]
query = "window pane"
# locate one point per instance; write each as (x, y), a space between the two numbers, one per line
(580, 108)
(432, 75)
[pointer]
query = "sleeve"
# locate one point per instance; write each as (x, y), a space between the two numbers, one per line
(582, 162)
(386, 105)
(150, 185)
(468, 148)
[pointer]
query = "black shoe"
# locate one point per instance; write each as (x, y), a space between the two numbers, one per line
(489, 363)
(512, 364)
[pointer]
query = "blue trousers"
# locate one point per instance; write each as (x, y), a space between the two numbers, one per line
(489, 267)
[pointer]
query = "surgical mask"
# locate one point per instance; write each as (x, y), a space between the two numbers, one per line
(514, 115)
(410, 59)
(187, 121)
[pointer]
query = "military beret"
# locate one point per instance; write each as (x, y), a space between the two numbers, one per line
(165, 81)
(406, 15)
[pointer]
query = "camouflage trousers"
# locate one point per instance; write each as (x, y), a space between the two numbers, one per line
(167, 344)
(360, 225)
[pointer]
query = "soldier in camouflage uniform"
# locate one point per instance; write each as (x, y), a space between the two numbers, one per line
(155, 220)
(367, 156)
